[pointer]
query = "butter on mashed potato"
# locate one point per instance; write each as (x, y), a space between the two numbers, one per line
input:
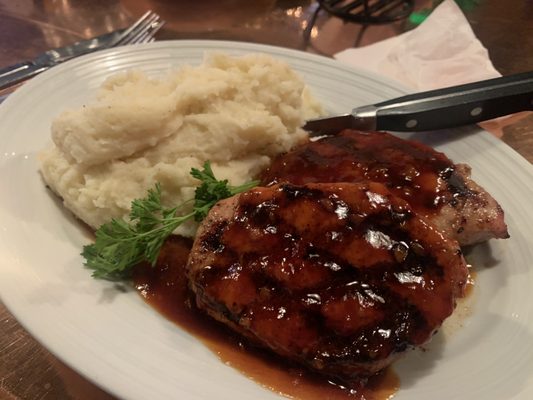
(237, 112)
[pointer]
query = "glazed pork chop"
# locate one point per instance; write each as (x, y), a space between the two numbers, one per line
(432, 184)
(342, 277)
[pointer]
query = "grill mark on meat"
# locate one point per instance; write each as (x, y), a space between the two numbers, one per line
(432, 184)
(212, 241)
(397, 163)
(340, 277)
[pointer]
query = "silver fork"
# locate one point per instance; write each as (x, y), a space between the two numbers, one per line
(141, 31)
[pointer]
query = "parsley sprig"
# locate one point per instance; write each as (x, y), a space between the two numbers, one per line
(120, 245)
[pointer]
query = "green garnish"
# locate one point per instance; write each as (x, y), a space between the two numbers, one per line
(121, 245)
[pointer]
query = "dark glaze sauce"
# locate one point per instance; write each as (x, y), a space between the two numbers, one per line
(417, 173)
(423, 177)
(341, 277)
(165, 288)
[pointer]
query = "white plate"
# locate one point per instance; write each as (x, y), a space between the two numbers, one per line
(119, 342)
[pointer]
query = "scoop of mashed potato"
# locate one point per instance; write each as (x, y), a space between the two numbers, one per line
(236, 112)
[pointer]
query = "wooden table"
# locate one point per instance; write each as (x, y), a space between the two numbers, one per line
(27, 370)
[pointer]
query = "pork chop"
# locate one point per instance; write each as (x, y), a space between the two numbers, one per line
(342, 277)
(433, 185)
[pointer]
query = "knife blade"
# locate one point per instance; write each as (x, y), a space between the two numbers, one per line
(27, 69)
(436, 109)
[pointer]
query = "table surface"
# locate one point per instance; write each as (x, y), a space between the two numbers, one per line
(27, 28)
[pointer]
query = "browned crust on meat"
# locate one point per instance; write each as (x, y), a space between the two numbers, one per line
(432, 184)
(340, 277)
(475, 217)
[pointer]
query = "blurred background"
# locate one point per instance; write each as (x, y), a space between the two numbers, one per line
(505, 27)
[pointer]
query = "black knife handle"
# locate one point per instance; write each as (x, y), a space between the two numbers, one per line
(18, 73)
(457, 105)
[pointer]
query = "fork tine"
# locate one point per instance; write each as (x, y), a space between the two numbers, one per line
(143, 32)
(148, 34)
(132, 27)
(138, 28)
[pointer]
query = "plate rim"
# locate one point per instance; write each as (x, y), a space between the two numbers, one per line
(26, 90)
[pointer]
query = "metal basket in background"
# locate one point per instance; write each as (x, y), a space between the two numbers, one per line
(368, 11)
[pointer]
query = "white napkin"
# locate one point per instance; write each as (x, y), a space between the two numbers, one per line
(442, 51)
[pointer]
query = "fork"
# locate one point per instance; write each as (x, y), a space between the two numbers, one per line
(141, 31)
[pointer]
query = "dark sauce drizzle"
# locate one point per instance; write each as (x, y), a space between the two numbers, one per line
(165, 288)
(411, 170)
(423, 179)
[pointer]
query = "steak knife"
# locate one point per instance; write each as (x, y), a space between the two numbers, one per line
(28, 69)
(436, 109)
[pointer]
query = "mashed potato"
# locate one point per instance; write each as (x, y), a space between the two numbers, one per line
(236, 112)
